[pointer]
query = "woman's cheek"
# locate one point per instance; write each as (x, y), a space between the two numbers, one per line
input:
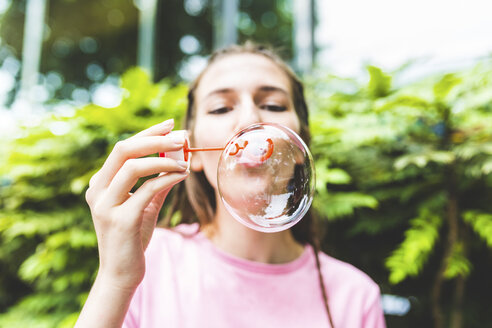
(291, 121)
(212, 131)
(210, 164)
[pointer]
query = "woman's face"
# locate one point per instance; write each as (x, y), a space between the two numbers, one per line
(235, 92)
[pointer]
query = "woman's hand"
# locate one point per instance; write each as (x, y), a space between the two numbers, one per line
(124, 222)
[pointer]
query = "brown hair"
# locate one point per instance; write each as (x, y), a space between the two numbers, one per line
(200, 194)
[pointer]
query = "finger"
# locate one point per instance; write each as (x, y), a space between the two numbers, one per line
(157, 130)
(160, 129)
(134, 148)
(93, 179)
(144, 195)
(133, 169)
(159, 198)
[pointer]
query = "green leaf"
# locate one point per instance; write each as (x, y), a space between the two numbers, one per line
(470, 150)
(325, 175)
(379, 83)
(445, 85)
(342, 204)
(481, 222)
(409, 258)
(29, 223)
(457, 264)
(175, 219)
(404, 101)
(69, 321)
(422, 159)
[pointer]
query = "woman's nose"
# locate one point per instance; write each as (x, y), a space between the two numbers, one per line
(249, 114)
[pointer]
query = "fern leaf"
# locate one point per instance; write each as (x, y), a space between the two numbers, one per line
(445, 85)
(338, 205)
(481, 223)
(409, 258)
(421, 159)
(457, 263)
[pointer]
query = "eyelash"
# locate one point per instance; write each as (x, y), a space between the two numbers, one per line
(221, 110)
(272, 108)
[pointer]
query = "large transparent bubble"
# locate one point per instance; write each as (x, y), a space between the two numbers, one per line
(266, 177)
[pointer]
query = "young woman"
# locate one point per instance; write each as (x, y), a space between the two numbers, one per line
(214, 272)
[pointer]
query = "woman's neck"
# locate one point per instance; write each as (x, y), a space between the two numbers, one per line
(236, 239)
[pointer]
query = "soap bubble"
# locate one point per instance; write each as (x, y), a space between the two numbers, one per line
(266, 177)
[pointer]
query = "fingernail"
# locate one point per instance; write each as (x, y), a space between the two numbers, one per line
(183, 164)
(168, 122)
(177, 138)
(183, 173)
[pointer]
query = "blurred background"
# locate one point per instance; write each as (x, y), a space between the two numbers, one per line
(401, 117)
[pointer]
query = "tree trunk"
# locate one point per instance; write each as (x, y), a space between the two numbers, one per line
(457, 310)
(452, 215)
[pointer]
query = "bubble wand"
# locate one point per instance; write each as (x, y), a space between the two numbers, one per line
(266, 155)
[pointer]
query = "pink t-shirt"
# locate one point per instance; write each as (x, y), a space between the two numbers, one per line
(191, 283)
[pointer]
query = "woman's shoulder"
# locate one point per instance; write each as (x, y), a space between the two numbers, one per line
(343, 273)
(351, 291)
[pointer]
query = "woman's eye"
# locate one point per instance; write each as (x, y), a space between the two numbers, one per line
(274, 108)
(221, 110)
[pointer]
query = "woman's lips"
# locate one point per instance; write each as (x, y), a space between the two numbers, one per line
(249, 163)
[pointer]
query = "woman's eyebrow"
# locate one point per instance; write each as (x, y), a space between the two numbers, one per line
(219, 92)
(263, 88)
(269, 88)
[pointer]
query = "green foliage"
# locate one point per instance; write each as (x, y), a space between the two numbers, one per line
(409, 258)
(342, 204)
(444, 86)
(47, 239)
(391, 163)
(413, 161)
(379, 83)
(457, 263)
(481, 223)
(422, 159)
